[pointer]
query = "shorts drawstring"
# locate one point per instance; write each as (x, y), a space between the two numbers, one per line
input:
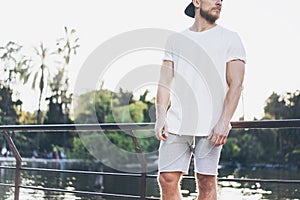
(193, 145)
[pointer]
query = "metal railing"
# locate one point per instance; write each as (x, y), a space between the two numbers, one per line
(120, 127)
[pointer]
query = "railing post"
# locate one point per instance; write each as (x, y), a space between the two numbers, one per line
(143, 163)
(18, 158)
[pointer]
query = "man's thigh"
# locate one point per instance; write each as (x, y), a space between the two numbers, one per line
(206, 157)
(175, 154)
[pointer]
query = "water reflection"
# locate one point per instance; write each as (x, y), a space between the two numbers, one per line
(126, 185)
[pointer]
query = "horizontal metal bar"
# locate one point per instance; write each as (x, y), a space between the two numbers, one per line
(117, 196)
(154, 198)
(290, 123)
(277, 181)
(6, 185)
(77, 127)
(7, 167)
(81, 172)
(284, 181)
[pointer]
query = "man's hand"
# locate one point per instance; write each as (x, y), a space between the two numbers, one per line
(161, 128)
(162, 99)
(219, 134)
(235, 71)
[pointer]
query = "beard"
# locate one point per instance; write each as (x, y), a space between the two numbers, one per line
(206, 15)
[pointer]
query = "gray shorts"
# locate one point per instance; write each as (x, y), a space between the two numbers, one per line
(176, 152)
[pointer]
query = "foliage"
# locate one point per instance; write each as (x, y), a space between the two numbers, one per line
(286, 106)
(8, 108)
(231, 150)
(61, 99)
(13, 65)
(79, 150)
(121, 107)
(268, 145)
(293, 157)
(27, 117)
(41, 75)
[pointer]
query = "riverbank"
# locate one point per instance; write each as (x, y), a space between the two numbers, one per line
(255, 166)
(12, 160)
(237, 165)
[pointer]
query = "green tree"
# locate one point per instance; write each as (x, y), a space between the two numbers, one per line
(95, 104)
(116, 107)
(149, 113)
(8, 114)
(230, 151)
(13, 65)
(54, 76)
(276, 107)
(67, 46)
(27, 118)
(285, 106)
(41, 75)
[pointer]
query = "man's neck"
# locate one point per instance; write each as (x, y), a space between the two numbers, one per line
(201, 24)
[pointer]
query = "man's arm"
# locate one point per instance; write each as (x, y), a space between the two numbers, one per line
(235, 71)
(163, 98)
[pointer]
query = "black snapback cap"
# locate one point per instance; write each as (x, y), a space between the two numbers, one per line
(190, 10)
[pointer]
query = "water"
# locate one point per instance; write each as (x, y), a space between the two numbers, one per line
(126, 185)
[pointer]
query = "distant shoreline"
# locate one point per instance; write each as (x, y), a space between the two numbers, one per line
(255, 166)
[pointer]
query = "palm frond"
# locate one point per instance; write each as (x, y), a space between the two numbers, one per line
(34, 80)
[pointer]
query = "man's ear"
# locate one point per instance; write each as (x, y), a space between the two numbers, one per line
(196, 3)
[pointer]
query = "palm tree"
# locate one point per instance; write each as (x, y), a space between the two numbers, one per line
(41, 76)
(14, 65)
(66, 47)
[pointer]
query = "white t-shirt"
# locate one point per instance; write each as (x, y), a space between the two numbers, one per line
(199, 86)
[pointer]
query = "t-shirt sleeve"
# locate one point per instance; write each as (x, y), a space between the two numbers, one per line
(236, 50)
(168, 51)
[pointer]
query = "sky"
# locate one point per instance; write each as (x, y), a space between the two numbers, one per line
(269, 29)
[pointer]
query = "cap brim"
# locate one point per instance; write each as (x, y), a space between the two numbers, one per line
(190, 10)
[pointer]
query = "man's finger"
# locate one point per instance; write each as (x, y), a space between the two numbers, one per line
(216, 141)
(160, 136)
(214, 138)
(224, 140)
(164, 137)
(221, 140)
(166, 132)
(210, 135)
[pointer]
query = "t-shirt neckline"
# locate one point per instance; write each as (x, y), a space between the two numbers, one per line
(203, 32)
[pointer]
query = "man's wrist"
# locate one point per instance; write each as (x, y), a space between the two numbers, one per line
(161, 112)
(224, 122)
